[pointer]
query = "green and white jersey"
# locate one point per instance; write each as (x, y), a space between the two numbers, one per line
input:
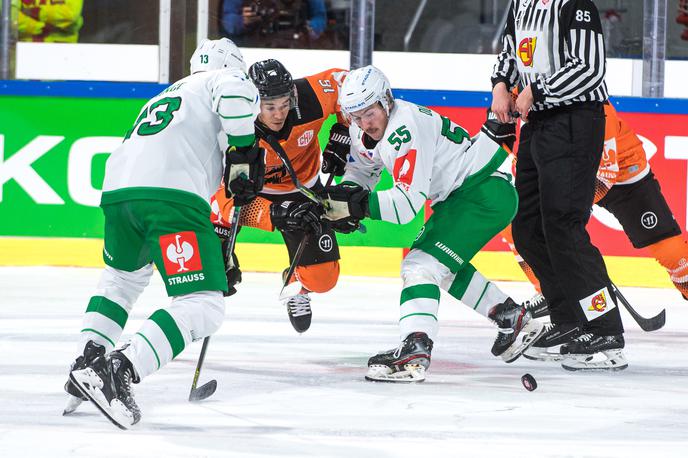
(429, 157)
(178, 140)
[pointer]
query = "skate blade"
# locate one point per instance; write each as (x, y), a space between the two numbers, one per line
(90, 385)
(529, 334)
(72, 403)
(541, 354)
(610, 360)
(413, 373)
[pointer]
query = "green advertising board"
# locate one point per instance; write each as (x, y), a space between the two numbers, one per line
(52, 159)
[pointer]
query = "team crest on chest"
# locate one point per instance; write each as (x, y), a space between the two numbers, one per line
(526, 51)
(305, 138)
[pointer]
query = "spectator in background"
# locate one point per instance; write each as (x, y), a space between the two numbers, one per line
(279, 23)
(52, 21)
(682, 17)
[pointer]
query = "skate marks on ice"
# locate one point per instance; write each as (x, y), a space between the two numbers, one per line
(284, 394)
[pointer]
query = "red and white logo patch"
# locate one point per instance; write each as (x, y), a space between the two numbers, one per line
(180, 253)
(305, 138)
(404, 167)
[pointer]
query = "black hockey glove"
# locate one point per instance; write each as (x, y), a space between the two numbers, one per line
(337, 150)
(233, 273)
(297, 216)
(244, 173)
(346, 204)
(502, 133)
(345, 226)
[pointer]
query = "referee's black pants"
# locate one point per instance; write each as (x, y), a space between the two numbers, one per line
(558, 157)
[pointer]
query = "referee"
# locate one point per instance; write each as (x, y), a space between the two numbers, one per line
(553, 51)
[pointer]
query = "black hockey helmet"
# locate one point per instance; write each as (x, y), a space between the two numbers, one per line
(273, 80)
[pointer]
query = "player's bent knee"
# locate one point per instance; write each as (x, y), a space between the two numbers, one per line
(418, 267)
(319, 278)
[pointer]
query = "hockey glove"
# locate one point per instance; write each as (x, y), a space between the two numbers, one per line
(337, 150)
(297, 216)
(244, 173)
(233, 273)
(503, 134)
(346, 204)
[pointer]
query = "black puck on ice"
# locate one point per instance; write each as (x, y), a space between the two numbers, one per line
(528, 382)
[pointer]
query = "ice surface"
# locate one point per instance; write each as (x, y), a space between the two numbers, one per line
(281, 394)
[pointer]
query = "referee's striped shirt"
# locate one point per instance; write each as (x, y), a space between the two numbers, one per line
(556, 46)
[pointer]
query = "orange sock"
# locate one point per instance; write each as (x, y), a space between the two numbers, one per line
(672, 253)
(509, 240)
(318, 278)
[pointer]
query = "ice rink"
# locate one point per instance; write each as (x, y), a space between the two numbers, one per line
(284, 394)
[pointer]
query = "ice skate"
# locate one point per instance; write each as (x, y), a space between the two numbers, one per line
(107, 383)
(92, 351)
(537, 306)
(299, 310)
(590, 352)
(514, 321)
(407, 363)
(547, 347)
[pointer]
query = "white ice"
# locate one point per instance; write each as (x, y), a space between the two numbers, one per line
(281, 394)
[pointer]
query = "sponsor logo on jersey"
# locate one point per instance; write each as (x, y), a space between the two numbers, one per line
(188, 278)
(526, 51)
(544, 2)
(305, 138)
(404, 167)
(215, 211)
(325, 243)
(180, 253)
(649, 220)
(598, 303)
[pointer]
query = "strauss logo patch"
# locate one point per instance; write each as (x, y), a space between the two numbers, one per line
(180, 253)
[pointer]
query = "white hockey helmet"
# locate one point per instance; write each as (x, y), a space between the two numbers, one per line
(363, 87)
(217, 54)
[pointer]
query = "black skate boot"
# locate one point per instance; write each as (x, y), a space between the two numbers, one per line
(299, 310)
(513, 321)
(92, 351)
(590, 352)
(547, 347)
(406, 363)
(537, 306)
(107, 383)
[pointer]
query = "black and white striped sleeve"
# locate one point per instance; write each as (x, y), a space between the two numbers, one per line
(582, 75)
(505, 70)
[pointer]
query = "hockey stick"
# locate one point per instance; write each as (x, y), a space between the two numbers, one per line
(295, 262)
(207, 389)
(272, 141)
(646, 324)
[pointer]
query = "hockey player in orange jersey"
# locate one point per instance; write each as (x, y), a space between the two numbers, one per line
(627, 188)
(293, 112)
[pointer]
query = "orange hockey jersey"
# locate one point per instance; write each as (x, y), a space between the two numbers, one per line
(316, 100)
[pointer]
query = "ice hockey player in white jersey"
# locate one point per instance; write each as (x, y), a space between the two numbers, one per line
(156, 204)
(429, 158)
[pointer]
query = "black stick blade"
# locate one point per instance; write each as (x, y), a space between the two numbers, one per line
(652, 324)
(203, 391)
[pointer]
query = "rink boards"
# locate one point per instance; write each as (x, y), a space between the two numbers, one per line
(55, 138)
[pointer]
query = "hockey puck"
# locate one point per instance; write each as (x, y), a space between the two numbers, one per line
(528, 382)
